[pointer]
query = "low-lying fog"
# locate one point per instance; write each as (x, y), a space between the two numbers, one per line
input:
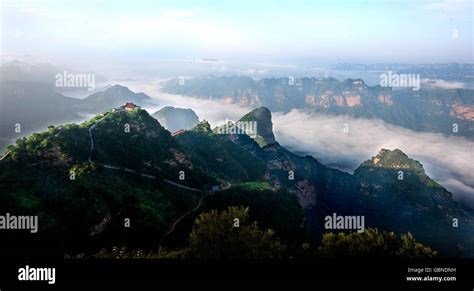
(448, 160)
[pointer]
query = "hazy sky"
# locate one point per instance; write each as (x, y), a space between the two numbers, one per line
(262, 31)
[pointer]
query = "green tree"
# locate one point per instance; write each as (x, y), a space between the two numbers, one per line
(410, 248)
(120, 253)
(373, 242)
(215, 236)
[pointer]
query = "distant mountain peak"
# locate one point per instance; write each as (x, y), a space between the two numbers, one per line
(171, 108)
(356, 81)
(112, 97)
(174, 119)
(16, 62)
(393, 159)
(118, 87)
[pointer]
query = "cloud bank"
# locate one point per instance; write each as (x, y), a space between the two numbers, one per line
(442, 84)
(448, 160)
(214, 111)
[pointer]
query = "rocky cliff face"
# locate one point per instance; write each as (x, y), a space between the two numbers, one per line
(284, 93)
(263, 118)
(463, 112)
(429, 109)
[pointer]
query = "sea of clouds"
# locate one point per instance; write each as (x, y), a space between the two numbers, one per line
(446, 159)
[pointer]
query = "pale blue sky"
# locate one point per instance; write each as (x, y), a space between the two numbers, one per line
(243, 30)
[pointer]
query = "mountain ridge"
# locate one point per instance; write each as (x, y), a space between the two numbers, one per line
(35, 106)
(207, 158)
(402, 106)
